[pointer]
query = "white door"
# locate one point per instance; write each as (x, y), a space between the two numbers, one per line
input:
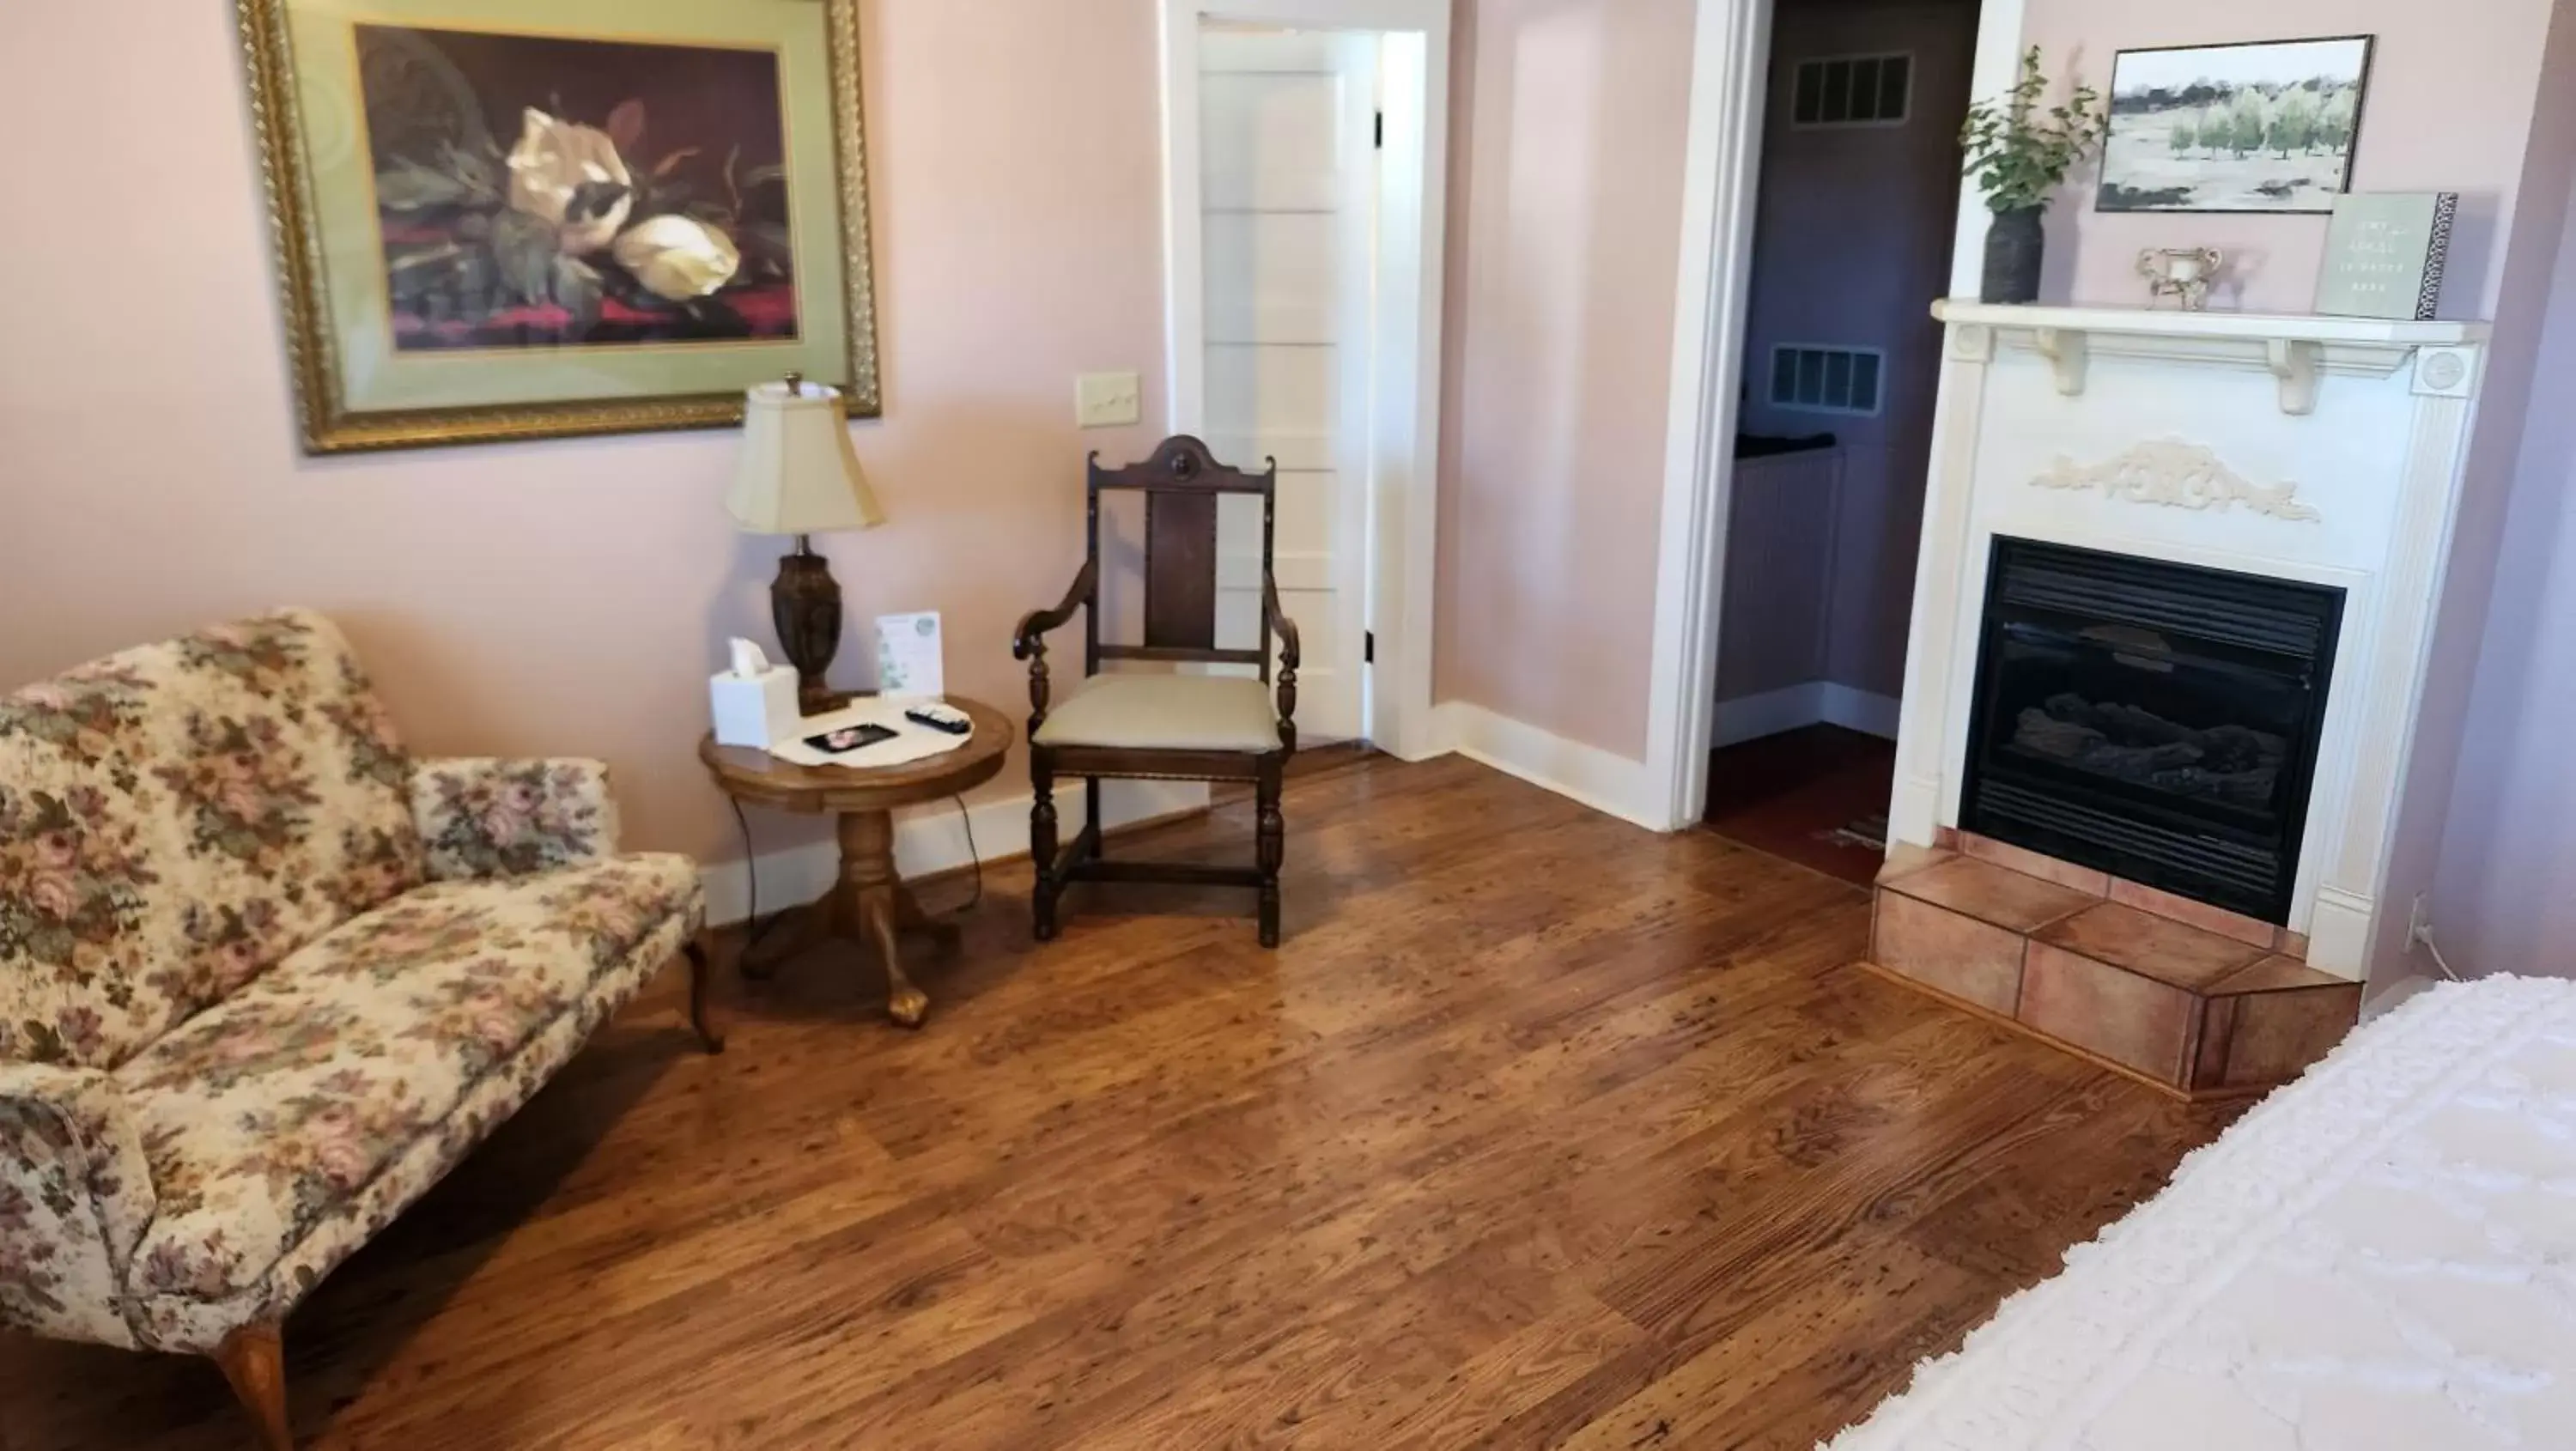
(1288, 195)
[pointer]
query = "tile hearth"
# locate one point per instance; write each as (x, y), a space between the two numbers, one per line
(2071, 957)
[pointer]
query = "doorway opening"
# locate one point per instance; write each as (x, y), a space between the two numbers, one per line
(1305, 147)
(1856, 197)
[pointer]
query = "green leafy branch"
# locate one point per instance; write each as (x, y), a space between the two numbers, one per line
(2019, 152)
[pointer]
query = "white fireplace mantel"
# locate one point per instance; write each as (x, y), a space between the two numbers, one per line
(2297, 350)
(2326, 450)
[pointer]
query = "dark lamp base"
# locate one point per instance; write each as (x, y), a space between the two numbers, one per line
(805, 607)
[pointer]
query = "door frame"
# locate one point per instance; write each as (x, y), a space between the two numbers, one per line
(1731, 54)
(1412, 241)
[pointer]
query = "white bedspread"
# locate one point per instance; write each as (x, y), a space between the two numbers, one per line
(2382, 1254)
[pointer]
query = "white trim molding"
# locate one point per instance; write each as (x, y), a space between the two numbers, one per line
(1730, 58)
(1813, 702)
(931, 839)
(1731, 52)
(1597, 778)
(1412, 240)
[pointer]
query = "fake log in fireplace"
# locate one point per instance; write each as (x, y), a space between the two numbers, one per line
(2156, 721)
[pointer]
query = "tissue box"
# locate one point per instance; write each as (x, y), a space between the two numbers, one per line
(754, 710)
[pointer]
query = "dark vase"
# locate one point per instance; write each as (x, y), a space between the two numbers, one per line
(2013, 246)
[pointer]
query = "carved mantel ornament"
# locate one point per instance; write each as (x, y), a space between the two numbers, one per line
(2177, 475)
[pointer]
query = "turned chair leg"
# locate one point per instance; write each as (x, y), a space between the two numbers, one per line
(702, 991)
(254, 1360)
(1270, 846)
(1042, 847)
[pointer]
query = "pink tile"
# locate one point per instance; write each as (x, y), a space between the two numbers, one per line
(2152, 946)
(1905, 860)
(2207, 918)
(1994, 894)
(2032, 864)
(2276, 974)
(1970, 960)
(2097, 1007)
(2278, 1035)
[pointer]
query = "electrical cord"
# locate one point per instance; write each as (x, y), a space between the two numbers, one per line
(751, 873)
(2425, 936)
(752, 924)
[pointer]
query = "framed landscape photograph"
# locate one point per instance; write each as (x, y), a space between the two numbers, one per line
(2262, 127)
(503, 219)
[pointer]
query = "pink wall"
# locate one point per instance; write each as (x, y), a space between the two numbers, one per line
(2500, 466)
(570, 596)
(2448, 106)
(1851, 245)
(1569, 121)
(2493, 843)
(2509, 846)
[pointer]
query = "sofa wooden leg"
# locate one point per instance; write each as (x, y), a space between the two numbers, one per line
(254, 1360)
(702, 991)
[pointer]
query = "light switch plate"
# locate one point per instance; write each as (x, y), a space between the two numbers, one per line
(1107, 400)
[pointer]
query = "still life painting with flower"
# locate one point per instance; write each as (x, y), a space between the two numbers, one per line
(561, 216)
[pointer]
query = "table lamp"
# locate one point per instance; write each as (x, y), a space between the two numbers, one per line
(798, 475)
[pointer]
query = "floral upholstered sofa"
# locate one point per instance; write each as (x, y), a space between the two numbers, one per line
(264, 978)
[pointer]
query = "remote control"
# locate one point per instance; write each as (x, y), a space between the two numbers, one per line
(939, 718)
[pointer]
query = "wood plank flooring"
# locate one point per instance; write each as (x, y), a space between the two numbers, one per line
(1795, 795)
(1538, 1130)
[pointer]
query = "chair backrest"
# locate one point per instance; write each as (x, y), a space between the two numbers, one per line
(176, 818)
(1181, 483)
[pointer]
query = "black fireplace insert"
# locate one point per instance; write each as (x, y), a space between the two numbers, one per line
(2156, 721)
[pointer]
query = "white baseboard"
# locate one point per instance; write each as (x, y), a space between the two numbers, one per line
(1859, 710)
(1595, 777)
(931, 838)
(1817, 702)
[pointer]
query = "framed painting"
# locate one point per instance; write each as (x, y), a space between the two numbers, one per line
(2261, 127)
(505, 219)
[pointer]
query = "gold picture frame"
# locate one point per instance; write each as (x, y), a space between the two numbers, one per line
(371, 375)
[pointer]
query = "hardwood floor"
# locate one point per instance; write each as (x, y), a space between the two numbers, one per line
(1538, 1130)
(1794, 794)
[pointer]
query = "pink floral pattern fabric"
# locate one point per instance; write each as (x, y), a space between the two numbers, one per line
(75, 1194)
(486, 817)
(175, 819)
(262, 981)
(262, 1117)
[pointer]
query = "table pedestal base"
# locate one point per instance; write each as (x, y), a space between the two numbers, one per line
(871, 904)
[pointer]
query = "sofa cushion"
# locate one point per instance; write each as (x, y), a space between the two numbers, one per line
(176, 819)
(263, 1116)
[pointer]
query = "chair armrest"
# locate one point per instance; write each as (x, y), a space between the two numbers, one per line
(1030, 638)
(482, 816)
(1028, 642)
(1286, 629)
(75, 1196)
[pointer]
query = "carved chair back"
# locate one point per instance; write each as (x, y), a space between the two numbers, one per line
(1181, 483)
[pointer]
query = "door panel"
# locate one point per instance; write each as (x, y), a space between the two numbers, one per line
(1288, 194)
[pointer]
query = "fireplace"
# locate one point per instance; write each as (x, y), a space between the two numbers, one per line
(2157, 721)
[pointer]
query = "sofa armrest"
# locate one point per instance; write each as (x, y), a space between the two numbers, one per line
(484, 816)
(75, 1196)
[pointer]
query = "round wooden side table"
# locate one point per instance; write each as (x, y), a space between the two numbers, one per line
(869, 902)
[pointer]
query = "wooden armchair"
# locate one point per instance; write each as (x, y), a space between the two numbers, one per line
(1168, 727)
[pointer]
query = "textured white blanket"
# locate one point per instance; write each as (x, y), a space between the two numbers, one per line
(2381, 1255)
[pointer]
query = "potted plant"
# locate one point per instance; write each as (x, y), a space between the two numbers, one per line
(2018, 153)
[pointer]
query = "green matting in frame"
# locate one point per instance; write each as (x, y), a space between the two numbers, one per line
(504, 219)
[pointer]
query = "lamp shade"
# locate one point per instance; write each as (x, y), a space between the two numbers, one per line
(797, 473)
